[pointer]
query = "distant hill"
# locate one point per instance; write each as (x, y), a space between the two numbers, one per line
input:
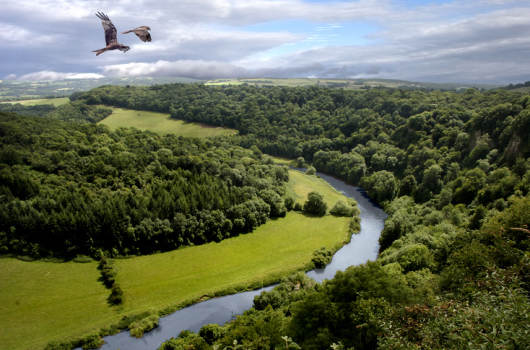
(11, 90)
(349, 83)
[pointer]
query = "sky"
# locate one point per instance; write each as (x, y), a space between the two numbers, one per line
(459, 41)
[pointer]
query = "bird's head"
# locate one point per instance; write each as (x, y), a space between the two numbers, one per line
(124, 48)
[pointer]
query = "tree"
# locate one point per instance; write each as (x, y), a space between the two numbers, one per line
(315, 204)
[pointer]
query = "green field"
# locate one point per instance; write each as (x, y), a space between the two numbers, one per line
(294, 82)
(40, 302)
(43, 101)
(161, 123)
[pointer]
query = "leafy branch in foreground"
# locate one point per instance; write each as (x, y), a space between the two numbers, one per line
(289, 344)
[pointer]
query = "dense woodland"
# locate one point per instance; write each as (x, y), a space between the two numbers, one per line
(451, 169)
(126, 192)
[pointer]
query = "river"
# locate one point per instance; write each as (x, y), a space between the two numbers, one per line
(364, 246)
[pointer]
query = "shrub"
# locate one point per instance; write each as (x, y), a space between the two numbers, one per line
(83, 259)
(315, 204)
(116, 295)
(212, 332)
(92, 341)
(322, 257)
(342, 209)
(137, 329)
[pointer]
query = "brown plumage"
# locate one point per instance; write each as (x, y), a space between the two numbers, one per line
(110, 36)
(141, 32)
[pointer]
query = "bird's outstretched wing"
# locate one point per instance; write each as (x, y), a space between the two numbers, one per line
(141, 32)
(110, 29)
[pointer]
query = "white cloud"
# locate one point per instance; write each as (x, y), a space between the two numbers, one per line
(462, 39)
(50, 75)
(197, 69)
(19, 35)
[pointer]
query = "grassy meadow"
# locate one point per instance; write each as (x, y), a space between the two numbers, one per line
(161, 123)
(42, 101)
(43, 301)
(297, 82)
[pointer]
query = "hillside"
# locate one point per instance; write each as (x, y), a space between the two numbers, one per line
(12, 90)
(451, 169)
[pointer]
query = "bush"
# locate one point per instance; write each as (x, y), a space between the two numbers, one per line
(315, 204)
(322, 257)
(83, 259)
(289, 203)
(212, 332)
(137, 329)
(342, 209)
(93, 341)
(116, 295)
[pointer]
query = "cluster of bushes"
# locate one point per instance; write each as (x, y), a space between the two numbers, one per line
(108, 274)
(126, 192)
(139, 327)
(322, 257)
(138, 323)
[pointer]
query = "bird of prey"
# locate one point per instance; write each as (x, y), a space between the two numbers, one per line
(110, 36)
(141, 32)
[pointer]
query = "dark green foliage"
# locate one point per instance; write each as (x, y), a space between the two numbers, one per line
(315, 204)
(450, 169)
(322, 257)
(125, 192)
(138, 328)
(185, 341)
(116, 295)
(290, 289)
(341, 208)
(35, 111)
(79, 112)
(255, 330)
(211, 333)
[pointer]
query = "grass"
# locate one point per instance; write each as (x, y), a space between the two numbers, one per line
(302, 184)
(296, 82)
(276, 249)
(41, 302)
(43, 101)
(161, 123)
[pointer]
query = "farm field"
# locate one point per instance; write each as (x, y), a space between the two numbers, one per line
(296, 82)
(43, 101)
(160, 123)
(40, 301)
(43, 301)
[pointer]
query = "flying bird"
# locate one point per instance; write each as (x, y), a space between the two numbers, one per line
(141, 32)
(110, 36)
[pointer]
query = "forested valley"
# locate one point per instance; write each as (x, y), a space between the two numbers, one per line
(126, 192)
(451, 169)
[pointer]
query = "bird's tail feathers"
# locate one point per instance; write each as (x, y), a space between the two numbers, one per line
(100, 51)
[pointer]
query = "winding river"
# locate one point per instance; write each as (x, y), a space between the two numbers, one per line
(363, 247)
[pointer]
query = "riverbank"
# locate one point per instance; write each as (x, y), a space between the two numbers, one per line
(363, 247)
(45, 301)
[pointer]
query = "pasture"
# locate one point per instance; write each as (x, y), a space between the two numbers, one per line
(42, 101)
(43, 301)
(297, 82)
(161, 124)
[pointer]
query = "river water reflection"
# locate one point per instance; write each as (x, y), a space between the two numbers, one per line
(363, 247)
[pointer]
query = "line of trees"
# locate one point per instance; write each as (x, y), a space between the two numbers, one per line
(452, 170)
(71, 189)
